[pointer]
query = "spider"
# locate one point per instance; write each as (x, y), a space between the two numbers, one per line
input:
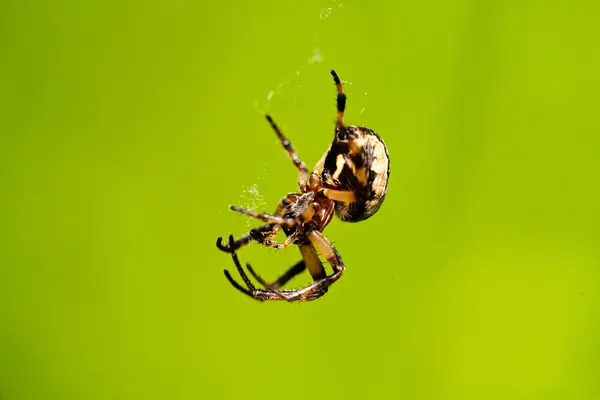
(350, 180)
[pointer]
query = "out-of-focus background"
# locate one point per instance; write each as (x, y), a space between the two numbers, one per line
(127, 128)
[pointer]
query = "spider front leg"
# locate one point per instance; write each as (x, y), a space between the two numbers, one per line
(260, 234)
(302, 170)
(262, 238)
(271, 219)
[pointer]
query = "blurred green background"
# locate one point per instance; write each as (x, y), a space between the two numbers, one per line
(127, 128)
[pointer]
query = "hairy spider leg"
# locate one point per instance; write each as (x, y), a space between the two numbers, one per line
(341, 101)
(269, 218)
(319, 287)
(312, 291)
(254, 235)
(302, 170)
(263, 233)
(251, 291)
(260, 294)
(259, 234)
(278, 245)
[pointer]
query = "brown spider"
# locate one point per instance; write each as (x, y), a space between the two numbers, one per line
(351, 179)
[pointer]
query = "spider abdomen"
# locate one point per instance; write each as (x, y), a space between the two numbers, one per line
(357, 162)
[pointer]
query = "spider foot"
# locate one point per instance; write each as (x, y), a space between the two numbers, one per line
(268, 286)
(225, 248)
(259, 294)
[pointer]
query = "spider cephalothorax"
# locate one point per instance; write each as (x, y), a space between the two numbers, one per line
(350, 179)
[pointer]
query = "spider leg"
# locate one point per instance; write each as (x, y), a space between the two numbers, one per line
(296, 269)
(320, 286)
(268, 286)
(314, 265)
(282, 280)
(278, 245)
(344, 196)
(260, 234)
(251, 291)
(341, 101)
(260, 294)
(302, 170)
(271, 219)
(261, 238)
(272, 292)
(312, 261)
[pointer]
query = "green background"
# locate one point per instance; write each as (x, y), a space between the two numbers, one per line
(127, 128)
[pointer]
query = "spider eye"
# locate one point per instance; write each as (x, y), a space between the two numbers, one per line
(341, 134)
